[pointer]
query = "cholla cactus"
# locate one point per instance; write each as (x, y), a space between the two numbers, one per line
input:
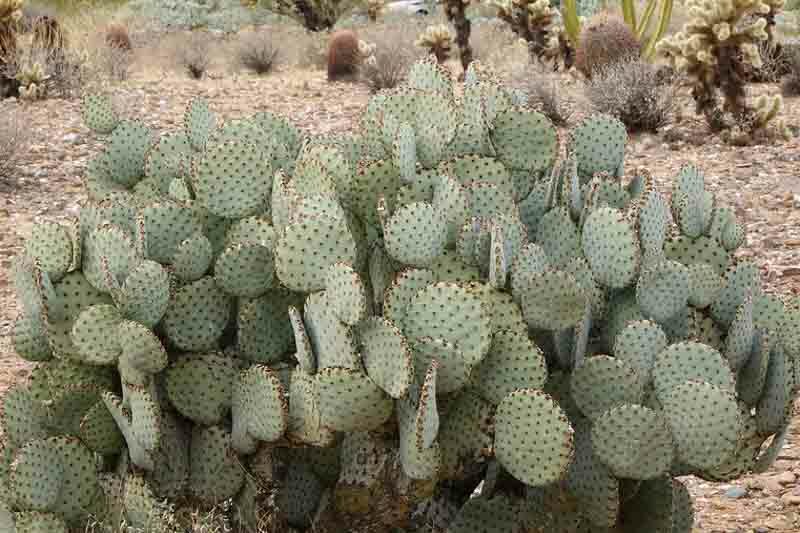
(32, 81)
(366, 51)
(456, 12)
(437, 40)
(539, 24)
(374, 9)
(715, 49)
(351, 333)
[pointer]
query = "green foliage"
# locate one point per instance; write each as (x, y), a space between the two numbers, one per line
(360, 321)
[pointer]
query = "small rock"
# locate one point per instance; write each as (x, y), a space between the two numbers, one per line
(736, 492)
(70, 138)
(791, 499)
(786, 478)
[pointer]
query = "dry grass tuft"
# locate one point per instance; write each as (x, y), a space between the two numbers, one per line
(194, 57)
(394, 53)
(258, 52)
(13, 141)
(635, 92)
(544, 96)
(791, 82)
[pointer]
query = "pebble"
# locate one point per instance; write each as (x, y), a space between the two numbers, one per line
(736, 492)
(786, 478)
(791, 498)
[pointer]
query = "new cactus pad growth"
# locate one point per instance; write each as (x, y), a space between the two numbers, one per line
(436, 320)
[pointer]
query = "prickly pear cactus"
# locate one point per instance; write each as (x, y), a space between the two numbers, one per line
(414, 324)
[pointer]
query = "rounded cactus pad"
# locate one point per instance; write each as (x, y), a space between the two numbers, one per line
(36, 522)
(525, 140)
(551, 300)
(99, 431)
(350, 401)
(245, 270)
(199, 123)
(701, 250)
(533, 437)
(404, 152)
(704, 421)
(37, 476)
(346, 293)
(308, 248)
(453, 371)
(192, 257)
(452, 312)
(450, 198)
(691, 360)
(263, 327)
(98, 113)
(487, 515)
(332, 341)
(386, 356)
(145, 293)
(167, 225)
(604, 382)
(416, 234)
(260, 406)
(216, 474)
(663, 290)
(638, 344)
(558, 236)
(50, 245)
(214, 374)
(513, 362)
(233, 179)
(633, 441)
(90, 334)
(705, 284)
(123, 159)
(599, 145)
(196, 315)
(168, 160)
(611, 246)
(465, 434)
(108, 256)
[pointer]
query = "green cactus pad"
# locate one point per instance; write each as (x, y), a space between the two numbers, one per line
(123, 159)
(602, 383)
(91, 337)
(595, 490)
(51, 246)
(537, 458)
(332, 340)
(513, 362)
(752, 376)
(216, 474)
(260, 407)
(192, 257)
(452, 312)
(245, 270)
(24, 416)
(304, 354)
(453, 371)
(530, 261)
(774, 409)
(704, 421)
(167, 225)
(633, 441)
(142, 508)
(305, 424)
(298, 495)
(551, 300)
(281, 129)
(487, 515)
(663, 290)
(112, 246)
(474, 242)
(701, 250)
(370, 182)
(145, 293)
(386, 356)
(199, 122)
(416, 234)
(215, 375)
(418, 463)
(98, 113)
(579, 269)
(29, 338)
(426, 422)
(308, 248)
(263, 327)
(691, 361)
(428, 75)
(705, 284)
(488, 200)
(79, 492)
(196, 315)
(611, 246)
(311, 177)
(99, 431)
(465, 434)
(34, 522)
(525, 140)
(451, 199)
(741, 280)
(233, 179)
(346, 293)
(638, 344)
(350, 401)
(474, 168)
(37, 476)
(654, 507)
(68, 407)
(435, 121)
(404, 152)
(558, 236)
(599, 145)
(168, 160)
(739, 342)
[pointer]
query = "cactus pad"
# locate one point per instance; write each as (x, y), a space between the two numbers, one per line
(611, 246)
(453, 371)
(604, 382)
(513, 362)
(216, 475)
(145, 293)
(350, 401)
(525, 140)
(638, 344)
(214, 374)
(260, 405)
(346, 293)
(50, 244)
(264, 329)
(551, 300)
(599, 145)
(192, 257)
(386, 356)
(663, 290)
(416, 234)
(538, 458)
(199, 122)
(691, 360)
(196, 315)
(98, 113)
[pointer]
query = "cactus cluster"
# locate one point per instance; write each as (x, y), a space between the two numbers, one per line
(715, 49)
(538, 23)
(437, 320)
(437, 39)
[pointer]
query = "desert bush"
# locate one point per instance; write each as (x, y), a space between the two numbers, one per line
(604, 40)
(31, 12)
(117, 36)
(791, 81)
(13, 141)
(635, 92)
(258, 51)
(389, 63)
(113, 62)
(194, 56)
(544, 95)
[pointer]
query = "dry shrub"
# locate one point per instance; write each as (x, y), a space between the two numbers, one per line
(343, 55)
(114, 62)
(604, 41)
(195, 54)
(635, 92)
(394, 53)
(491, 39)
(791, 82)
(117, 37)
(544, 96)
(13, 140)
(258, 52)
